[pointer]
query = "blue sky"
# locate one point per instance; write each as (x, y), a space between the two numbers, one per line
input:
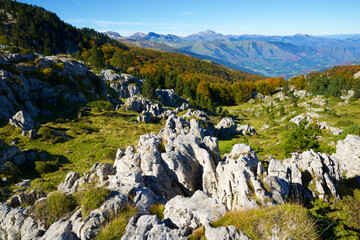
(267, 17)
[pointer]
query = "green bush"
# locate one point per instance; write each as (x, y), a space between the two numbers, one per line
(43, 167)
(55, 207)
(338, 219)
(92, 198)
(101, 105)
(302, 138)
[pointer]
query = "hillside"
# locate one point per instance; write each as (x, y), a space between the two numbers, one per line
(120, 142)
(266, 55)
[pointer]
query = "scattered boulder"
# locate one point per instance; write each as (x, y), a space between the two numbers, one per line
(308, 117)
(226, 127)
(194, 211)
(23, 120)
(245, 130)
(333, 130)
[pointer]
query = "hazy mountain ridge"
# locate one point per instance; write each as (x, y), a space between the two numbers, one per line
(275, 55)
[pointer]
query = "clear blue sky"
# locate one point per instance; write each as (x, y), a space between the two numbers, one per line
(184, 17)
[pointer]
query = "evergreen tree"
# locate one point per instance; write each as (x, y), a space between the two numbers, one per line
(179, 88)
(97, 58)
(285, 89)
(302, 138)
(148, 90)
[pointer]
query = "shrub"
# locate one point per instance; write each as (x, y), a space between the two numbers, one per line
(55, 207)
(292, 220)
(158, 210)
(101, 105)
(339, 219)
(92, 198)
(302, 138)
(43, 167)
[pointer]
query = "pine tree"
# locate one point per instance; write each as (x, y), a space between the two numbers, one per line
(148, 90)
(97, 58)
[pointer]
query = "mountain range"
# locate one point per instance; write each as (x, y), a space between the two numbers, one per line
(266, 55)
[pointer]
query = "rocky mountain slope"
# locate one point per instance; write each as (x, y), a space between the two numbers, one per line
(181, 166)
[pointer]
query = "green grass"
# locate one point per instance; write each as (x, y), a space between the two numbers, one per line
(93, 138)
(269, 142)
(115, 228)
(158, 210)
(292, 220)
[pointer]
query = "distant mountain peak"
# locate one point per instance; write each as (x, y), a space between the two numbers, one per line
(113, 35)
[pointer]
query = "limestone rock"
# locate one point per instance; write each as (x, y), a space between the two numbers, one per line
(245, 129)
(133, 90)
(60, 230)
(308, 117)
(348, 155)
(26, 198)
(224, 233)
(324, 170)
(193, 211)
(136, 104)
(145, 117)
(109, 75)
(168, 97)
(226, 127)
(22, 120)
(150, 227)
(70, 184)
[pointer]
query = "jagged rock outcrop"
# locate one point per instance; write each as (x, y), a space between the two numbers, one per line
(14, 224)
(348, 156)
(31, 89)
(23, 120)
(26, 199)
(124, 85)
(168, 97)
(150, 227)
(144, 117)
(194, 211)
(233, 177)
(226, 127)
(322, 172)
(181, 167)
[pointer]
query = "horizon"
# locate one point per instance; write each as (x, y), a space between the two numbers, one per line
(229, 17)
